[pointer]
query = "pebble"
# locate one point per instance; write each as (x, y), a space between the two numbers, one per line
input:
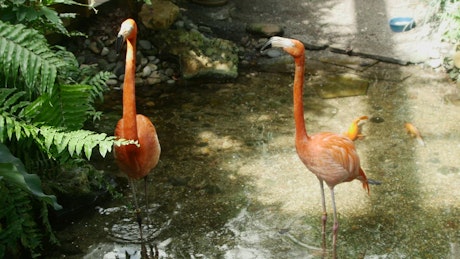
(265, 29)
(274, 53)
(169, 71)
(112, 82)
(153, 80)
(93, 47)
(105, 51)
(144, 44)
(146, 71)
(144, 61)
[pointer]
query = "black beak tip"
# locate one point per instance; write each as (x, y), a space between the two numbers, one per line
(266, 46)
(119, 43)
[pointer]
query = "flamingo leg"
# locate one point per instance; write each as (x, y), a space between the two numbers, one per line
(146, 200)
(138, 210)
(324, 217)
(335, 228)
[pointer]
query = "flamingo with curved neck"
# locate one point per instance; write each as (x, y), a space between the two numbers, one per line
(136, 161)
(331, 157)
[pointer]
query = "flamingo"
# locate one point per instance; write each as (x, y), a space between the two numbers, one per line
(136, 161)
(331, 157)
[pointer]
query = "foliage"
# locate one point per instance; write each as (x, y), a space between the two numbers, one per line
(446, 15)
(38, 14)
(17, 217)
(45, 99)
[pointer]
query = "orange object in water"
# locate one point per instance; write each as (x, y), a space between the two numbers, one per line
(353, 132)
(331, 157)
(414, 132)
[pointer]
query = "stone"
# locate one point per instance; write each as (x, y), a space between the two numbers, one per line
(199, 56)
(112, 82)
(105, 51)
(342, 85)
(453, 99)
(146, 71)
(160, 15)
(144, 44)
(112, 56)
(265, 29)
(153, 80)
(456, 58)
(93, 47)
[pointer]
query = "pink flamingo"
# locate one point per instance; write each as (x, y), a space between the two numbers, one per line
(135, 161)
(331, 157)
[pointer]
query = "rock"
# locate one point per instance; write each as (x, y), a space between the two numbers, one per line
(139, 81)
(169, 71)
(210, 2)
(456, 59)
(342, 85)
(105, 51)
(93, 47)
(146, 71)
(112, 56)
(144, 44)
(112, 82)
(274, 53)
(265, 29)
(452, 99)
(144, 61)
(198, 55)
(119, 68)
(159, 15)
(153, 80)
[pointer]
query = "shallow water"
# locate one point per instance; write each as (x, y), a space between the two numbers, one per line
(230, 184)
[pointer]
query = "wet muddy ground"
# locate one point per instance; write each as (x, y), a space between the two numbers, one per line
(230, 185)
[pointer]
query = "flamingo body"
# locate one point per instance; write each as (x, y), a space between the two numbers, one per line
(332, 158)
(135, 161)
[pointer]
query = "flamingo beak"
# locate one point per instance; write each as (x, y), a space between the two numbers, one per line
(279, 42)
(119, 43)
(266, 45)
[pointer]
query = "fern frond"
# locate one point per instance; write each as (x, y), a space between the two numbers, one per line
(98, 81)
(77, 142)
(55, 141)
(68, 107)
(26, 61)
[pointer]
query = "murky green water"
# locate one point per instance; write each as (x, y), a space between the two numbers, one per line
(230, 185)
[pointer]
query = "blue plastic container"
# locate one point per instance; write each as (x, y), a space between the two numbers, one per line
(400, 24)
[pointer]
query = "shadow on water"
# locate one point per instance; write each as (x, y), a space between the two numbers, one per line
(230, 185)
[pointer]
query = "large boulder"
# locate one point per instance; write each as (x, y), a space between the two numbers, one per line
(199, 56)
(160, 15)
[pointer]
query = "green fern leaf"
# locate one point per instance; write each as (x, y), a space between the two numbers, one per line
(26, 57)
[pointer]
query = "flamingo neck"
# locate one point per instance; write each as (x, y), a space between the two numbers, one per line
(129, 91)
(300, 130)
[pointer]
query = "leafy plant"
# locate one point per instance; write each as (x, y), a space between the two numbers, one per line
(45, 99)
(17, 223)
(38, 14)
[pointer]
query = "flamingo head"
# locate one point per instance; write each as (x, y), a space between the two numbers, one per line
(128, 31)
(292, 46)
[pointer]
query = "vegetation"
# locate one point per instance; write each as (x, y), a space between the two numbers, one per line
(445, 15)
(45, 99)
